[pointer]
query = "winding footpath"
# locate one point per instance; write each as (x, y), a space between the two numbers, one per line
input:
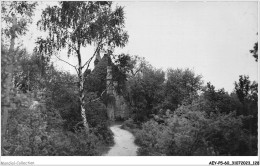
(124, 143)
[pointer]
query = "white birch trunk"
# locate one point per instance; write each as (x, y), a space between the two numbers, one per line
(81, 94)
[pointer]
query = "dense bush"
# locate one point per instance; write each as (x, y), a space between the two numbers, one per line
(35, 131)
(73, 144)
(63, 99)
(26, 125)
(144, 93)
(219, 101)
(190, 131)
(97, 117)
(53, 128)
(150, 91)
(180, 116)
(130, 124)
(150, 139)
(180, 85)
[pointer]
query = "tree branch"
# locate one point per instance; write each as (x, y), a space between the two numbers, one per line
(71, 46)
(67, 63)
(134, 73)
(90, 59)
(96, 99)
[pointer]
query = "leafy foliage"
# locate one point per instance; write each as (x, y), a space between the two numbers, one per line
(22, 10)
(75, 24)
(190, 119)
(97, 117)
(220, 101)
(189, 131)
(32, 74)
(254, 51)
(50, 129)
(144, 92)
(247, 94)
(13, 26)
(180, 85)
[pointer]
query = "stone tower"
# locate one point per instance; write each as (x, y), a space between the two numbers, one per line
(116, 106)
(110, 94)
(98, 58)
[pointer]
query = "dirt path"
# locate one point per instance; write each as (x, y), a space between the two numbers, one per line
(124, 143)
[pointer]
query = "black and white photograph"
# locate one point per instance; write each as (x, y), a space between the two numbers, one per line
(165, 79)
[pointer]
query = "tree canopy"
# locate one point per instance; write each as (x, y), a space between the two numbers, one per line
(75, 24)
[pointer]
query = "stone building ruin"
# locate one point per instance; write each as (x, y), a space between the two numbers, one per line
(117, 108)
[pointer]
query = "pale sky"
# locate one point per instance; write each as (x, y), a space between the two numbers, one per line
(212, 38)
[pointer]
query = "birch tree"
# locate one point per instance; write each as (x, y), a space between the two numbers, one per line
(73, 25)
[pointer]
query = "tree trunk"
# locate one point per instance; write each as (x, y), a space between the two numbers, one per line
(81, 94)
(8, 80)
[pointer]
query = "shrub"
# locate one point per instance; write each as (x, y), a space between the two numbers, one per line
(73, 144)
(190, 131)
(129, 124)
(26, 126)
(96, 113)
(150, 138)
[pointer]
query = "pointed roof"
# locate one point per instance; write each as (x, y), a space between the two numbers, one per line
(98, 58)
